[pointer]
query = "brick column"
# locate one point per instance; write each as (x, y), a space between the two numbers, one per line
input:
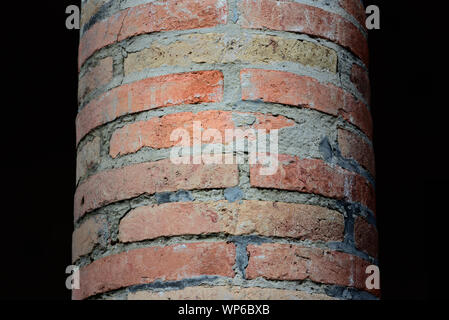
(148, 228)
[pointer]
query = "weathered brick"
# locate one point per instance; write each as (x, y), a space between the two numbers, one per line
(100, 35)
(272, 219)
(289, 15)
(96, 77)
(360, 78)
(227, 293)
(214, 48)
(355, 8)
(288, 88)
(143, 246)
(152, 17)
(148, 178)
(89, 9)
(155, 133)
(88, 158)
(90, 233)
(150, 93)
(145, 265)
(301, 263)
(366, 238)
(354, 147)
(315, 176)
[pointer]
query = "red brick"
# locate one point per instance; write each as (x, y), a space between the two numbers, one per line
(273, 219)
(354, 147)
(294, 262)
(366, 238)
(291, 89)
(315, 176)
(92, 232)
(145, 265)
(151, 93)
(155, 133)
(355, 8)
(152, 17)
(288, 15)
(360, 78)
(148, 178)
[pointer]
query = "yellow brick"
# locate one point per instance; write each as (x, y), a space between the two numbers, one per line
(215, 48)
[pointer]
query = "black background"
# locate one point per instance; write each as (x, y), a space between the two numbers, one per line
(39, 109)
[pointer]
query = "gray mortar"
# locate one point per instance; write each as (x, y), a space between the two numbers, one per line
(332, 155)
(242, 256)
(348, 293)
(179, 196)
(233, 194)
(233, 12)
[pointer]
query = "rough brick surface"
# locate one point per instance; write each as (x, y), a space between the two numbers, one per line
(227, 293)
(315, 176)
(288, 88)
(89, 9)
(300, 263)
(214, 48)
(150, 93)
(297, 17)
(275, 219)
(148, 178)
(155, 133)
(152, 17)
(88, 157)
(354, 147)
(92, 232)
(365, 236)
(140, 266)
(96, 77)
(354, 8)
(360, 78)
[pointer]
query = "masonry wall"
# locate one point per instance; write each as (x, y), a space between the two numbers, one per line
(146, 228)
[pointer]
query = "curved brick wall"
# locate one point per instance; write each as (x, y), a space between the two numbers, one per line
(146, 228)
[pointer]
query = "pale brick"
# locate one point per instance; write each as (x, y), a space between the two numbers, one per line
(214, 48)
(90, 233)
(227, 293)
(96, 77)
(88, 158)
